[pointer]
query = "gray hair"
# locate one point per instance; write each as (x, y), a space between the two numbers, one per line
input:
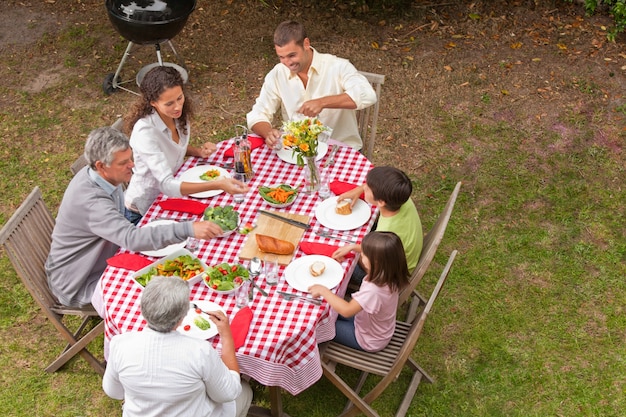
(102, 144)
(164, 302)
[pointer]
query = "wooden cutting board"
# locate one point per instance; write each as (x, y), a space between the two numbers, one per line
(275, 228)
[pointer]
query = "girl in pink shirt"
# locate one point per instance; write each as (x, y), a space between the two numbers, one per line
(368, 320)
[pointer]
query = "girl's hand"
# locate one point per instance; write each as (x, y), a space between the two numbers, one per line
(318, 290)
(340, 254)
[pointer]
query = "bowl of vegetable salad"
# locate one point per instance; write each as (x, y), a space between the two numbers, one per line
(225, 278)
(181, 263)
(279, 196)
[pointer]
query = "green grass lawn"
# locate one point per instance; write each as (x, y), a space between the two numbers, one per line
(531, 321)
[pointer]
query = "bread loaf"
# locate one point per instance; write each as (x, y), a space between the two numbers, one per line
(343, 207)
(317, 268)
(270, 244)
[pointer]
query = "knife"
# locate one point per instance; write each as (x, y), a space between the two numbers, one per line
(286, 220)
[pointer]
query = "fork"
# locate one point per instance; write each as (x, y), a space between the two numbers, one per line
(195, 306)
(326, 233)
(290, 296)
(331, 159)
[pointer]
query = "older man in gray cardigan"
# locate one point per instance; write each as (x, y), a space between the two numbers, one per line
(90, 225)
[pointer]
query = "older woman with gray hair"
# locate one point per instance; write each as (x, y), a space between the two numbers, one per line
(160, 372)
(90, 225)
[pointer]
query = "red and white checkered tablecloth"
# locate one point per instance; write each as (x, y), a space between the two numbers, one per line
(281, 347)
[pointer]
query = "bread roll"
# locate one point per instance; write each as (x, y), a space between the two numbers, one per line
(343, 207)
(269, 244)
(317, 268)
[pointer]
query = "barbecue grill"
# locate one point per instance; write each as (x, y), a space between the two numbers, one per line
(145, 22)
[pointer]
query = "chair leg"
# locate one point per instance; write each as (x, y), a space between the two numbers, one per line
(349, 393)
(410, 393)
(414, 366)
(79, 347)
(357, 388)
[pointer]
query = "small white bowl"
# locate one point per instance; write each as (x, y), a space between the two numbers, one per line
(281, 205)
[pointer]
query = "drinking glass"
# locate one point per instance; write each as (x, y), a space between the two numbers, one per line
(270, 269)
(241, 294)
(324, 191)
(239, 176)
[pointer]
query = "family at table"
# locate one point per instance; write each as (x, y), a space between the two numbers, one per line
(104, 234)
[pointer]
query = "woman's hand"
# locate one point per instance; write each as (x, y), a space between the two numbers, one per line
(203, 151)
(232, 186)
(207, 150)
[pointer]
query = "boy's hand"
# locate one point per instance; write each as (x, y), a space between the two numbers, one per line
(352, 195)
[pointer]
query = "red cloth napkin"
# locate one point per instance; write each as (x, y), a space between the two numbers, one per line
(240, 325)
(183, 205)
(316, 248)
(129, 261)
(255, 142)
(340, 187)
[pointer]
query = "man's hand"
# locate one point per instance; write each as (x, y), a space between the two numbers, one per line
(273, 139)
(206, 230)
(312, 108)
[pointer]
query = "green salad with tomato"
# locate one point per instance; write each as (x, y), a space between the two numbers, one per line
(225, 277)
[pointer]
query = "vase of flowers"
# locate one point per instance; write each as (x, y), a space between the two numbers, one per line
(301, 136)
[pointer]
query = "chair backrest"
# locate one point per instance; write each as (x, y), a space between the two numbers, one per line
(26, 239)
(80, 162)
(367, 118)
(431, 242)
(417, 325)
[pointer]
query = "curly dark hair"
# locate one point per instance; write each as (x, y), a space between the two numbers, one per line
(154, 83)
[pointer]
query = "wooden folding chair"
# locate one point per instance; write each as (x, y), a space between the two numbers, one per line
(26, 239)
(431, 242)
(387, 363)
(368, 118)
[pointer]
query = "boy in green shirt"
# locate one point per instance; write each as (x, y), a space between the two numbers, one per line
(390, 190)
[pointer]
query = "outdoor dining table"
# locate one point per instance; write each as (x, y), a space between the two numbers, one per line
(281, 348)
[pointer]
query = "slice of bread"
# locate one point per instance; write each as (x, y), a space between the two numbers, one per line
(317, 268)
(343, 207)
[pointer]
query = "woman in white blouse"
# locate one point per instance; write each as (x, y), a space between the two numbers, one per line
(160, 123)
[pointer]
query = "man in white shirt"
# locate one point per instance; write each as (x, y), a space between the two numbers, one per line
(311, 84)
(161, 372)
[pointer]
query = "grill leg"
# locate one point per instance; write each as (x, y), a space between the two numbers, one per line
(119, 67)
(158, 52)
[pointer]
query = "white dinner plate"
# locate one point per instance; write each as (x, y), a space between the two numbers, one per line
(195, 331)
(298, 275)
(193, 175)
(287, 154)
(168, 250)
(327, 216)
